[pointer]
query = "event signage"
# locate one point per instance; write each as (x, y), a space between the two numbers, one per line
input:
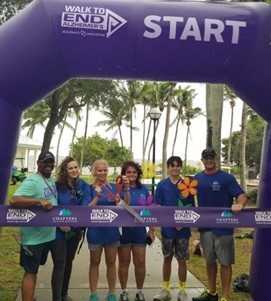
(98, 21)
(115, 216)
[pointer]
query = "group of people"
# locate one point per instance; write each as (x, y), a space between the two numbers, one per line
(215, 189)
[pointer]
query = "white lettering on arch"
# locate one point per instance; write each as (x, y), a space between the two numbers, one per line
(176, 27)
(191, 29)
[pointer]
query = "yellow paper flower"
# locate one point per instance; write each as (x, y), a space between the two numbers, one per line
(148, 169)
(188, 187)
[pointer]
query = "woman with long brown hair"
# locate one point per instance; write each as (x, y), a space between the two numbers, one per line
(71, 191)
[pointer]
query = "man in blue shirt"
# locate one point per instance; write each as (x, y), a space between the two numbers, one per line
(217, 188)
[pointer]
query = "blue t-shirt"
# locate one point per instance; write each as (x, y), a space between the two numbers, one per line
(138, 197)
(65, 197)
(168, 194)
(217, 190)
(104, 235)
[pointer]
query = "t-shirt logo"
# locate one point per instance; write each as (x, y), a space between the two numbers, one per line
(216, 186)
(49, 192)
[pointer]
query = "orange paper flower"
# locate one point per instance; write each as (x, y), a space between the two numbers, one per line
(188, 187)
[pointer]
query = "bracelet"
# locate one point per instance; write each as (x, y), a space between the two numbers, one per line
(127, 189)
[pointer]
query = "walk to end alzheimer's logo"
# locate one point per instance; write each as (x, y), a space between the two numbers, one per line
(185, 216)
(102, 215)
(90, 21)
(20, 215)
(263, 217)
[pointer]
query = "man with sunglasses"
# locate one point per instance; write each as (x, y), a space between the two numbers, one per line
(38, 190)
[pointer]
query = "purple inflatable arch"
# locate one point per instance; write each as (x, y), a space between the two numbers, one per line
(52, 41)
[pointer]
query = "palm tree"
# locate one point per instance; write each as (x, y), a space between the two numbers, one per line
(130, 92)
(36, 115)
(178, 103)
(116, 115)
(190, 113)
(148, 100)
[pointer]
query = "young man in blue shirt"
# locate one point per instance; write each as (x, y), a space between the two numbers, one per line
(217, 188)
(175, 240)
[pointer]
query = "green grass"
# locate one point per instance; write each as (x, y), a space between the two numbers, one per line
(10, 271)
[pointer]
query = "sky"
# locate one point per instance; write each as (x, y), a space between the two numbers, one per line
(197, 139)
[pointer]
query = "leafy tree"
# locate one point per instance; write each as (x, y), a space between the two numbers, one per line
(96, 147)
(9, 8)
(72, 95)
(117, 154)
(255, 130)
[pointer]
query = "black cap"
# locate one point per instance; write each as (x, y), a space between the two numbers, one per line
(46, 155)
(208, 152)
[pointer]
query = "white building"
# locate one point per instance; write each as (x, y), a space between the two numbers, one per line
(27, 153)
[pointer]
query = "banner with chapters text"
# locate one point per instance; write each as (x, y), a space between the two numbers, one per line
(115, 216)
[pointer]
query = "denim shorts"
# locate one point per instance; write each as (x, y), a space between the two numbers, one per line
(95, 247)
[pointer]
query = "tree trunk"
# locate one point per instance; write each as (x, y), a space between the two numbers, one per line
(144, 134)
(131, 130)
(214, 109)
(84, 138)
(30, 132)
(49, 131)
(186, 146)
(175, 136)
(230, 137)
(59, 139)
(243, 147)
(73, 136)
(146, 143)
(165, 141)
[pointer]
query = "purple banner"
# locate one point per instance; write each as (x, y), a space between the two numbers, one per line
(107, 216)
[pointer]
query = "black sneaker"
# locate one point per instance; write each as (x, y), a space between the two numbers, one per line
(206, 296)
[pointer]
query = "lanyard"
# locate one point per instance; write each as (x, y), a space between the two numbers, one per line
(53, 192)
